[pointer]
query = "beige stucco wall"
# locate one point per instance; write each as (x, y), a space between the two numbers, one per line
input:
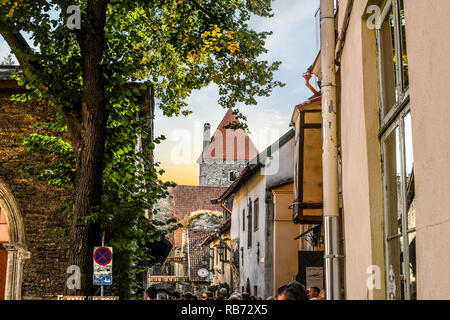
(428, 40)
(428, 44)
(361, 167)
(285, 248)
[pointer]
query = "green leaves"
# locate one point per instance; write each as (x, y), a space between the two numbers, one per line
(173, 46)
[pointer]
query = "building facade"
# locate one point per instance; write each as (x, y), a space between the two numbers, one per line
(219, 245)
(391, 66)
(252, 224)
(224, 154)
(33, 260)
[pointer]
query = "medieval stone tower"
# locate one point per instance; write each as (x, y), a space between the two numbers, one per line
(224, 154)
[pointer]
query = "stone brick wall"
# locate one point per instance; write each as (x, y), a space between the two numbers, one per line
(41, 205)
(215, 172)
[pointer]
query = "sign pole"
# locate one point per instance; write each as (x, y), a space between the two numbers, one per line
(102, 267)
(103, 244)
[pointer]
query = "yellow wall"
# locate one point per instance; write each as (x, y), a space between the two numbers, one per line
(361, 166)
(225, 268)
(285, 248)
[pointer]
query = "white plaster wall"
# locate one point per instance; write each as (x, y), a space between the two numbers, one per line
(281, 170)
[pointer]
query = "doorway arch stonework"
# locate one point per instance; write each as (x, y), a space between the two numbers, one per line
(17, 250)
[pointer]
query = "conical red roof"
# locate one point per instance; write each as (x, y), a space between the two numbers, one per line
(228, 144)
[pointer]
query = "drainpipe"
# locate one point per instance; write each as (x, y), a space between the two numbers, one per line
(307, 76)
(224, 208)
(188, 255)
(329, 152)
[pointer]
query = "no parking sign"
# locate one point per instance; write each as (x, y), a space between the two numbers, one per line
(103, 266)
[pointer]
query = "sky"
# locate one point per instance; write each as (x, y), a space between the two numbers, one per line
(293, 42)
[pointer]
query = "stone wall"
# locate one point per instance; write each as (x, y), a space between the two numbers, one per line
(40, 204)
(214, 172)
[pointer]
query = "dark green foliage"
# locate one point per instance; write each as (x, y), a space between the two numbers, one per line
(175, 46)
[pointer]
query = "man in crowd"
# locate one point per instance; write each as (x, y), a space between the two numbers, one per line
(222, 294)
(175, 296)
(313, 293)
(187, 296)
(150, 294)
(293, 291)
(207, 295)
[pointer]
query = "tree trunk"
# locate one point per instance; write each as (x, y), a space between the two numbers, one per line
(89, 144)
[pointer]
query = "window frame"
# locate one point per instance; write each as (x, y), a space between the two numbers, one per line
(256, 215)
(402, 95)
(405, 232)
(389, 122)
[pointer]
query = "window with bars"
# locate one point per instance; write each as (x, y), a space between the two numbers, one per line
(249, 227)
(397, 153)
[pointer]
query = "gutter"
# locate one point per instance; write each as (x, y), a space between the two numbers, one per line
(307, 76)
(341, 38)
(220, 201)
(330, 151)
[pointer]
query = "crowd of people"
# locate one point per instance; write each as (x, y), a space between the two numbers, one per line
(291, 291)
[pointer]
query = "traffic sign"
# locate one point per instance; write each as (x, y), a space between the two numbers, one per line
(103, 255)
(102, 266)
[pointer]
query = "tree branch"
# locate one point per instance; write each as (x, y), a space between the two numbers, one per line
(213, 17)
(30, 66)
(21, 50)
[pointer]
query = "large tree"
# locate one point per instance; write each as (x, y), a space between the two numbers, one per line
(175, 46)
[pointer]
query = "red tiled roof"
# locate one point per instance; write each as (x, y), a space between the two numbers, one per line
(228, 143)
(188, 199)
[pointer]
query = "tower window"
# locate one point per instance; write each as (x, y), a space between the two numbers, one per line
(232, 175)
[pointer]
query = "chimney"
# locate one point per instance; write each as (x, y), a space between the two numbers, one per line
(206, 135)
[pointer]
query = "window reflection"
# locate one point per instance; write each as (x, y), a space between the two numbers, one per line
(389, 63)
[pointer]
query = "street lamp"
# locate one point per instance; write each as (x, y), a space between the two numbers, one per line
(220, 252)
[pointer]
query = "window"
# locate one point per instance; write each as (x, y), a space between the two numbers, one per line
(232, 175)
(393, 61)
(243, 220)
(249, 228)
(257, 253)
(255, 291)
(256, 214)
(225, 254)
(211, 258)
(397, 154)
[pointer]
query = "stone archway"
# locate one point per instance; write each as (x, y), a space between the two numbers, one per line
(17, 251)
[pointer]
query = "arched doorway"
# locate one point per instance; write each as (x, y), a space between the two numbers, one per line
(13, 251)
(4, 239)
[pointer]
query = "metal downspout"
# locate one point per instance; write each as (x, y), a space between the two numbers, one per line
(188, 255)
(330, 151)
